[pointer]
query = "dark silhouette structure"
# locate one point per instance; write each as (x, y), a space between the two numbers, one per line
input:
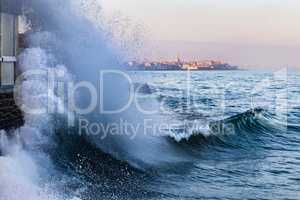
(10, 114)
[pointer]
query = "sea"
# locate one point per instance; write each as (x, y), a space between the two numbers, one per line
(234, 135)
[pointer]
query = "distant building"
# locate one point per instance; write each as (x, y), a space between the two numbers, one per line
(179, 62)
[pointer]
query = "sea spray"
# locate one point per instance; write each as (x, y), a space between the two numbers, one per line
(26, 168)
(19, 173)
(75, 40)
(59, 37)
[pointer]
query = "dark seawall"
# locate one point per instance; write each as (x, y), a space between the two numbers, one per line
(10, 115)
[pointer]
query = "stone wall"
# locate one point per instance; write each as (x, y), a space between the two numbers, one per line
(10, 115)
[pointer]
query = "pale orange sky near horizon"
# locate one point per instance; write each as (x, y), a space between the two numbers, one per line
(269, 27)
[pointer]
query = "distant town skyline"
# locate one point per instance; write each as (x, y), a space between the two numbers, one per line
(180, 64)
(261, 33)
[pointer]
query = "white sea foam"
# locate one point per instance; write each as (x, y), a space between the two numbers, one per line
(19, 174)
(24, 167)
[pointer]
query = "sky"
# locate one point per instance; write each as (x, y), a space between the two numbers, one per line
(258, 33)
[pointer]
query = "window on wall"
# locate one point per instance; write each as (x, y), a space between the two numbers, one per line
(8, 48)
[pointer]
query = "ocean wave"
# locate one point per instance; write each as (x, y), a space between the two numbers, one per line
(255, 122)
